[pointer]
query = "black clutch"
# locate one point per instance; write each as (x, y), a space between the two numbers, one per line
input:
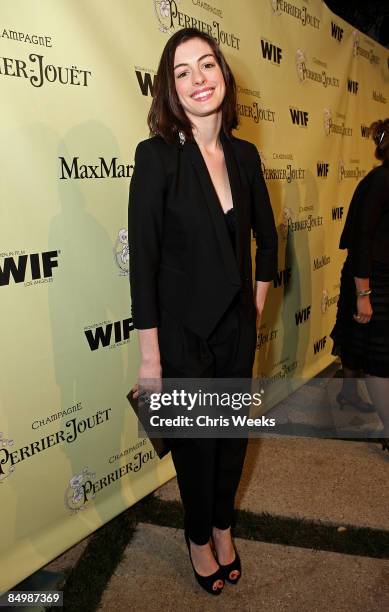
(140, 409)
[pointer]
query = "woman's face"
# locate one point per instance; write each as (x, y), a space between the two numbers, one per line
(199, 80)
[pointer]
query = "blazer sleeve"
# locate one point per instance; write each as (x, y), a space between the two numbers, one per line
(263, 225)
(367, 215)
(145, 220)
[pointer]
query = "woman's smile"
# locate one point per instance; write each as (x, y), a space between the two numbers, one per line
(203, 94)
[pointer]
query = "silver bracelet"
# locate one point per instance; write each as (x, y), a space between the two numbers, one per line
(363, 292)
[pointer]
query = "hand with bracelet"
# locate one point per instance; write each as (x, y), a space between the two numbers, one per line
(364, 309)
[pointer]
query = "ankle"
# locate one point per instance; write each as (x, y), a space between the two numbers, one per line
(221, 534)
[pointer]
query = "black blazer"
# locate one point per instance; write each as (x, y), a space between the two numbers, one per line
(366, 229)
(181, 256)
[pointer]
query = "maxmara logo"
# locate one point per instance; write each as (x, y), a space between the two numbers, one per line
(302, 14)
(347, 173)
(30, 269)
(170, 18)
(37, 73)
(367, 54)
(330, 127)
(101, 335)
(320, 262)
(104, 169)
(309, 74)
(307, 223)
(255, 112)
(271, 52)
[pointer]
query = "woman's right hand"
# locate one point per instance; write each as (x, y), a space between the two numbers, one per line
(364, 309)
(149, 377)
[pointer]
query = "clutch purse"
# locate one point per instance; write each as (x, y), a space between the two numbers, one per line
(159, 444)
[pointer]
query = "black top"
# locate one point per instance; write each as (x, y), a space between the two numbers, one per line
(366, 230)
(230, 217)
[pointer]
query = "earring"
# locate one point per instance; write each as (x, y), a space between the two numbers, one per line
(182, 138)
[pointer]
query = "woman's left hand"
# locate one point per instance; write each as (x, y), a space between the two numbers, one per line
(364, 309)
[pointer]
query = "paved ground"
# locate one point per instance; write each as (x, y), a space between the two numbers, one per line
(341, 482)
(155, 574)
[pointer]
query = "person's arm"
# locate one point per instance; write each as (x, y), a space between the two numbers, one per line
(266, 256)
(364, 309)
(365, 222)
(145, 221)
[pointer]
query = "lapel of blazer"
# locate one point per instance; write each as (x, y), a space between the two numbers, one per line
(213, 204)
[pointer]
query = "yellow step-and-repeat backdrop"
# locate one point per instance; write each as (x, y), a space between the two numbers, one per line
(76, 80)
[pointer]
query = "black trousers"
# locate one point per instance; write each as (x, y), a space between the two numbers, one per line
(209, 470)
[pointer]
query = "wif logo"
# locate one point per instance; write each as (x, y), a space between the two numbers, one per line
(301, 316)
(102, 334)
(322, 169)
(352, 86)
(146, 83)
(336, 32)
(271, 52)
(20, 266)
(319, 345)
(299, 117)
(365, 131)
(282, 278)
(337, 213)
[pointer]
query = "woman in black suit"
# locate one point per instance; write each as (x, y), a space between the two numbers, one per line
(196, 193)
(361, 332)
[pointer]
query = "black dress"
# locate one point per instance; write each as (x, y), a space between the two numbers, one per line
(366, 236)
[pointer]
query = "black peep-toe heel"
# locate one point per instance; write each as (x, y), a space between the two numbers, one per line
(206, 582)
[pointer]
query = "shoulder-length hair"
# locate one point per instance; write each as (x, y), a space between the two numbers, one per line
(380, 134)
(166, 116)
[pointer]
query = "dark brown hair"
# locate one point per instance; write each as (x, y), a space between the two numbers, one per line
(380, 134)
(166, 116)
